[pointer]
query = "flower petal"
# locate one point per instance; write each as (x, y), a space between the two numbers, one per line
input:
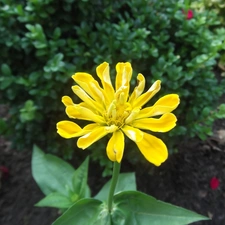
(87, 99)
(92, 136)
(89, 85)
(115, 146)
(153, 149)
(165, 123)
(103, 73)
(138, 90)
(123, 77)
(68, 129)
(133, 133)
(144, 98)
(83, 113)
(164, 105)
(66, 100)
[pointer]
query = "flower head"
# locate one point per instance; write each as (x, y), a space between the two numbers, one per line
(112, 110)
(189, 14)
(214, 183)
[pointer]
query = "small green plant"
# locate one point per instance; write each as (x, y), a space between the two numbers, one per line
(115, 111)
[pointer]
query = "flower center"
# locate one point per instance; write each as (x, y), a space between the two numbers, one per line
(118, 111)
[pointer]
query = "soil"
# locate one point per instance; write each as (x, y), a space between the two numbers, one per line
(183, 180)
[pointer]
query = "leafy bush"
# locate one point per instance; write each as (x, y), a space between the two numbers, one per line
(218, 6)
(43, 42)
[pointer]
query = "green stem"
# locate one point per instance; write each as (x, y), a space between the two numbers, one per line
(116, 172)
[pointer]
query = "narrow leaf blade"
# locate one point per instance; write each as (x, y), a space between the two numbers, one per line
(56, 200)
(80, 179)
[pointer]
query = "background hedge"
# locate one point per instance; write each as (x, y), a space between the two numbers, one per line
(43, 42)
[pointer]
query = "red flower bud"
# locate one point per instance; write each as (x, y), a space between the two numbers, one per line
(189, 14)
(214, 183)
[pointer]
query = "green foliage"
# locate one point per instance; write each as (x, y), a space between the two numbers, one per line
(218, 7)
(130, 207)
(58, 180)
(44, 42)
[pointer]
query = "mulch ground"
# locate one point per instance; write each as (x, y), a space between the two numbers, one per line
(183, 180)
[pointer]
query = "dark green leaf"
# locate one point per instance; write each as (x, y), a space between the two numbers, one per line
(132, 208)
(80, 179)
(51, 173)
(56, 200)
(85, 212)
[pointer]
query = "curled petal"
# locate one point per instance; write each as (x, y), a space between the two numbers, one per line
(87, 99)
(89, 85)
(103, 73)
(138, 90)
(165, 123)
(133, 114)
(68, 129)
(92, 136)
(115, 146)
(123, 77)
(153, 149)
(134, 134)
(66, 100)
(144, 98)
(164, 105)
(83, 113)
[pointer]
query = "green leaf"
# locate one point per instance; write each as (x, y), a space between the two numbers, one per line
(80, 179)
(132, 207)
(85, 212)
(56, 200)
(126, 181)
(5, 82)
(51, 173)
(3, 126)
(5, 69)
(221, 111)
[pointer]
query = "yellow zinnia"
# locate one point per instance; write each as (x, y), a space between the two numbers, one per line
(114, 111)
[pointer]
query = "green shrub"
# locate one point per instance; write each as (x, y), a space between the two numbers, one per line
(218, 6)
(43, 42)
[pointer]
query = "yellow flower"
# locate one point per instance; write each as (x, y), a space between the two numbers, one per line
(113, 111)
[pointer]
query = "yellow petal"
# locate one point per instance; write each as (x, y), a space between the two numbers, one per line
(103, 73)
(90, 127)
(86, 98)
(133, 133)
(133, 115)
(165, 123)
(138, 90)
(153, 149)
(123, 77)
(164, 105)
(83, 113)
(115, 147)
(144, 98)
(89, 85)
(68, 129)
(91, 137)
(67, 101)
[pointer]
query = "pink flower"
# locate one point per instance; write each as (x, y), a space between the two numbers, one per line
(4, 171)
(214, 183)
(189, 14)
